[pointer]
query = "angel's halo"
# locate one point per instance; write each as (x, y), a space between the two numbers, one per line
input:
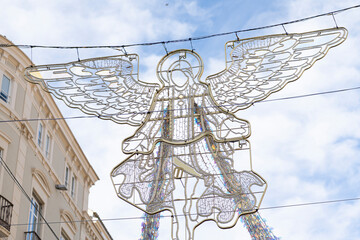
(184, 60)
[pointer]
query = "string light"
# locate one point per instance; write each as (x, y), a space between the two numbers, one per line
(188, 39)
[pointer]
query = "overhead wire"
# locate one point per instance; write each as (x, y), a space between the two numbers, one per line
(311, 94)
(332, 13)
(168, 216)
(146, 112)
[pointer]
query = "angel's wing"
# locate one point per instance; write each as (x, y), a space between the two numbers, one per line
(264, 65)
(106, 87)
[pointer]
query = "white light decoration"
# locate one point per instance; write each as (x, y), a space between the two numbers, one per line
(190, 154)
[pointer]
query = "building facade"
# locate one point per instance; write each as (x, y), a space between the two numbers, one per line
(45, 177)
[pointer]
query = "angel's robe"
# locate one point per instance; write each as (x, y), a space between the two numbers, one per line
(186, 132)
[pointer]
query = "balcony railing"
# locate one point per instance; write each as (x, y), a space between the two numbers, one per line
(32, 236)
(4, 96)
(5, 212)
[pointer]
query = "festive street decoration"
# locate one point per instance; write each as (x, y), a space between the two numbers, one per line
(190, 154)
(257, 227)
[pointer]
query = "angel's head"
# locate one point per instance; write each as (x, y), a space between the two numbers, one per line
(180, 68)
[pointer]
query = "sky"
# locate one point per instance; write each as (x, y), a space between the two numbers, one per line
(307, 149)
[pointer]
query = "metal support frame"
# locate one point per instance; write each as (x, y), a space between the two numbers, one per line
(190, 154)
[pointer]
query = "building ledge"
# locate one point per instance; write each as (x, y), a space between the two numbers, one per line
(4, 232)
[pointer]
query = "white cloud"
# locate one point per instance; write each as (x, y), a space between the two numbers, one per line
(307, 149)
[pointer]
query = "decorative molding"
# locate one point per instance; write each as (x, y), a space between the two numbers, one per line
(69, 220)
(42, 180)
(5, 137)
(26, 130)
(12, 63)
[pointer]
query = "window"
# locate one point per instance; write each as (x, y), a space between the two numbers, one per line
(40, 131)
(5, 89)
(47, 145)
(64, 236)
(73, 186)
(67, 176)
(34, 219)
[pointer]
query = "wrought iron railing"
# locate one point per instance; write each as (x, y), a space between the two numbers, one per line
(4, 96)
(5, 212)
(32, 236)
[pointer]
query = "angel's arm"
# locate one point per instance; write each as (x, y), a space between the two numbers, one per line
(105, 87)
(258, 67)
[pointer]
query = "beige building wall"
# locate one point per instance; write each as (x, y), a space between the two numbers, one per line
(41, 154)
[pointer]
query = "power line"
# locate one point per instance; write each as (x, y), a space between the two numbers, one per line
(146, 112)
(312, 203)
(187, 39)
(311, 94)
(167, 216)
(12, 176)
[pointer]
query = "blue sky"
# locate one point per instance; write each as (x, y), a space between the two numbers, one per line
(307, 149)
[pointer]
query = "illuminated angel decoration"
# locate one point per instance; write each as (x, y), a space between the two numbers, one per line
(190, 154)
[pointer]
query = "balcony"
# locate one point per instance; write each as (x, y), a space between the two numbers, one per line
(5, 216)
(32, 236)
